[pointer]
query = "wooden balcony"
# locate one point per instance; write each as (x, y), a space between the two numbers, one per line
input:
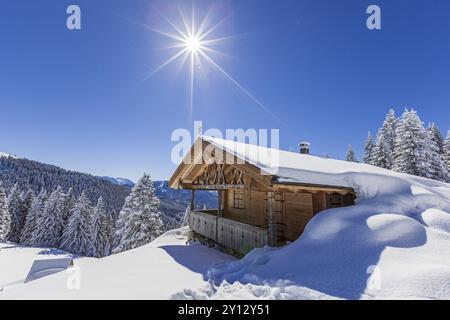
(239, 237)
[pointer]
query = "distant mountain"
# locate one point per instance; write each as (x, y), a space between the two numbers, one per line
(7, 155)
(174, 201)
(120, 181)
(36, 175)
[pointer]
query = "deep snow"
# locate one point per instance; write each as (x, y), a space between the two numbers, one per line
(394, 243)
(155, 271)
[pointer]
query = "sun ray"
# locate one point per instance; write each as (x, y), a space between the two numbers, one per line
(194, 47)
(239, 86)
(173, 25)
(165, 64)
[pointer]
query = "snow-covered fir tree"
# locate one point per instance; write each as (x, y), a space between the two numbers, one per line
(436, 136)
(185, 220)
(139, 221)
(368, 149)
(383, 150)
(77, 237)
(438, 166)
(389, 131)
(50, 224)
(381, 154)
(36, 210)
(27, 201)
(100, 231)
(446, 152)
(412, 147)
(5, 218)
(350, 156)
(69, 203)
(17, 214)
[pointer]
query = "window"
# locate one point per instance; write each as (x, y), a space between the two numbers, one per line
(238, 199)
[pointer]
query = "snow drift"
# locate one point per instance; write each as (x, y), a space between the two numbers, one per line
(394, 243)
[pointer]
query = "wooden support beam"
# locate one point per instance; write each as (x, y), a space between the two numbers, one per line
(271, 226)
(192, 200)
(211, 186)
(219, 205)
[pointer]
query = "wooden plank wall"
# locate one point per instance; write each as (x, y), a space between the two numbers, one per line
(240, 237)
(203, 224)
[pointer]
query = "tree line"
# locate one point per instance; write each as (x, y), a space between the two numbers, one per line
(404, 145)
(61, 220)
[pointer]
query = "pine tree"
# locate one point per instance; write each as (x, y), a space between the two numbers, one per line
(140, 220)
(383, 150)
(36, 210)
(27, 200)
(446, 152)
(389, 132)
(436, 156)
(412, 147)
(50, 225)
(5, 218)
(185, 220)
(350, 156)
(381, 154)
(17, 214)
(100, 231)
(69, 203)
(368, 149)
(437, 137)
(77, 237)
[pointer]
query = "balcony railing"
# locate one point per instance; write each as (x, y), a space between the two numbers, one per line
(239, 237)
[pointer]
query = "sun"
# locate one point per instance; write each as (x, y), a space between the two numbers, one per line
(193, 44)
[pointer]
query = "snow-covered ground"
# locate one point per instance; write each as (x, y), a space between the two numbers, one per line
(394, 243)
(155, 271)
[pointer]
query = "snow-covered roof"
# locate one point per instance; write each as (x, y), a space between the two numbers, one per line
(292, 167)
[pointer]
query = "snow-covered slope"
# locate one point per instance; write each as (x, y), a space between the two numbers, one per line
(394, 243)
(7, 155)
(155, 271)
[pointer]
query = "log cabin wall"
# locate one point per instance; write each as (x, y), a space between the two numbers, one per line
(292, 210)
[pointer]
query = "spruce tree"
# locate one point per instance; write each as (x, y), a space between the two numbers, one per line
(185, 217)
(17, 214)
(77, 235)
(381, 154)
(350, 156)
(389, 132)
(50, 225)
(140, 220)
(69, 203)
(438, 167)
(437, 137)
(412, 147)
(5, 218)
(100, 231)
(36, 209)
(368, 149)
(446, 152)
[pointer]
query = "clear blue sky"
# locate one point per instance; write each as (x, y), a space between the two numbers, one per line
(80, 100)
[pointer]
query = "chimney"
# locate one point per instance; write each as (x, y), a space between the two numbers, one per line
(304, 147)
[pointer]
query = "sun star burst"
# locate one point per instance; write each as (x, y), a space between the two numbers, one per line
(195, 48)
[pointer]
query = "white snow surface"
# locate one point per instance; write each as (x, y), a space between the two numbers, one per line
(7, 155)
(155, 271)
(394, 243)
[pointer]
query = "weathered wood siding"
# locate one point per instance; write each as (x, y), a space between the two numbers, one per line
(240, 237)
(231, 234)
(203, 224)
(298, 211)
